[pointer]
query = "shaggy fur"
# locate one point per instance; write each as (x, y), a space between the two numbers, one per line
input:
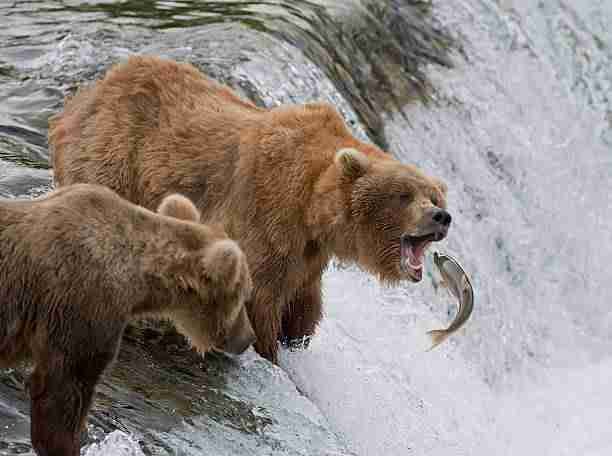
(79, 264)
(291, 184)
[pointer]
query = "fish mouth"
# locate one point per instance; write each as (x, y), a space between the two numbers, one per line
(412, 250)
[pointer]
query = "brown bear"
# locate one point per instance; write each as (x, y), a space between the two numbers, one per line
(79, 264)
(291, 184)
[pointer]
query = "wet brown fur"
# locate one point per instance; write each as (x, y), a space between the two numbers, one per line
(274, 178)
(80, 263)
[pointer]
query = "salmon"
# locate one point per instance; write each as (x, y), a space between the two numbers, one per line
(455, 279)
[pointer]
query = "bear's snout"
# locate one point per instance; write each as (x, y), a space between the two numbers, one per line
(241, 336)
(435, 224)
(442, 217)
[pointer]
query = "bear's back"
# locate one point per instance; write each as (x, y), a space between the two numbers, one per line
(75, 240)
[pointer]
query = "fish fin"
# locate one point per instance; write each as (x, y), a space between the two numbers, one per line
(437, 337)
(444, 283)
(441, 283)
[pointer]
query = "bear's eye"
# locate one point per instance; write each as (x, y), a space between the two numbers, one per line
(405, 199)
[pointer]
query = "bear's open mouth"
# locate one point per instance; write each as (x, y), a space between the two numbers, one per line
(413, 253)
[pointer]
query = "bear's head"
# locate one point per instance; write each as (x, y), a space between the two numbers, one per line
(394, 212)
(211, 277)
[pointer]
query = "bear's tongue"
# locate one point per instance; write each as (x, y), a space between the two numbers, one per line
(414, 256)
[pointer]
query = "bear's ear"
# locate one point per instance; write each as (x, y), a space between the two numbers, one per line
(441, 186)
(180, 207)
(353, 163)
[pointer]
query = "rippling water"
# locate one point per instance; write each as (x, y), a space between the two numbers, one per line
(507, 100)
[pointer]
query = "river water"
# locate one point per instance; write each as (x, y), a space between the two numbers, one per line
(507, 100)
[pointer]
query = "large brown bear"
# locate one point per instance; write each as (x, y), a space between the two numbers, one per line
(79, 264)
(291, 184)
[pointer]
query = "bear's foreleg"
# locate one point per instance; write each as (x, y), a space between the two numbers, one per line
(301, 316)
(61, 394)
(265, 312)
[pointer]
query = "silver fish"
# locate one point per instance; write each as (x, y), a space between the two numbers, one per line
(457, 281)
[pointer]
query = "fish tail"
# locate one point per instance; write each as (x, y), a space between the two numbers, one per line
(437, 337)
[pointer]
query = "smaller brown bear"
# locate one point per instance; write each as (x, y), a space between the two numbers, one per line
(78, 265)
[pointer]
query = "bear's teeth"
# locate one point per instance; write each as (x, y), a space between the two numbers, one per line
(415, 266)
(411, 258)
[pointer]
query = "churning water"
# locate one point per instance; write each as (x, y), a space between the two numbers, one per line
(507, 100)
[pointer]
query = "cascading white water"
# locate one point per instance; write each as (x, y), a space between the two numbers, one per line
(521, 137)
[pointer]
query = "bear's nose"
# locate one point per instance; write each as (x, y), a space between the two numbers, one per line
(442, 217)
